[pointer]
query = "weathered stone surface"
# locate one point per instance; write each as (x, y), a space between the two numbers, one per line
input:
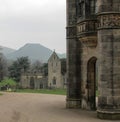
(33, 81)
(56, 72)
(93, 51)
(108, 115)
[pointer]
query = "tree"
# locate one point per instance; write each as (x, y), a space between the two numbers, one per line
(21, 65)
(8, 83)
(15, 71)
(24, 63)
(37, 67)
(3, 66)
(45, 69)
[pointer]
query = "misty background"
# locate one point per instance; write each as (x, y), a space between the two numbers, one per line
(33, 21)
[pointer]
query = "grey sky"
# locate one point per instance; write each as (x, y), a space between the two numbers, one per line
(33, 21)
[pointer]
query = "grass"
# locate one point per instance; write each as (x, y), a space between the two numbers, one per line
(43, 91)
(1, 94)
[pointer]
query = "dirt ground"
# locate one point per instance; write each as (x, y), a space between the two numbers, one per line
(27, 107)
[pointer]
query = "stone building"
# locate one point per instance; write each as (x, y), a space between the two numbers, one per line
(56, 72)
(93, 56)
(34, 81)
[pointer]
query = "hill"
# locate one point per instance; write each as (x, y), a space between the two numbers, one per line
(6, 50)
(33, 51)
(62, 55)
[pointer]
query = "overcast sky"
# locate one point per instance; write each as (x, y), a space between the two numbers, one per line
(33, 21)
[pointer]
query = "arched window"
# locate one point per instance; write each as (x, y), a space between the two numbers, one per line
(32, 84)
(92, 6)
(54, 81)
(81, 8)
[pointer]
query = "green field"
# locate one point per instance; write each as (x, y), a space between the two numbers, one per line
(43, 91)
(1, 94)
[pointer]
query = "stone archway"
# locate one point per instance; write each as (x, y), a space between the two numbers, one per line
(54, 81)
(32, 84)
(91, 82)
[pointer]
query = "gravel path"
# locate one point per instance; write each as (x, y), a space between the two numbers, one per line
(27, 107)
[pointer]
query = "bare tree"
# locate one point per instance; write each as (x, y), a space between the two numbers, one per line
(37, 67)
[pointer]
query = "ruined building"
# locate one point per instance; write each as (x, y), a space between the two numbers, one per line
(56, 72)
(33, 81)
(93, 56)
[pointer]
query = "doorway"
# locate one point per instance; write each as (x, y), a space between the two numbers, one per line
(92, 83)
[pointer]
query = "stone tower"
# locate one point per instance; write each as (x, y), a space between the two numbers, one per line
(108, 12)
(73, 93)
(93, 47)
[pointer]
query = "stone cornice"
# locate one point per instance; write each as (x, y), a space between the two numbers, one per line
(104, 13)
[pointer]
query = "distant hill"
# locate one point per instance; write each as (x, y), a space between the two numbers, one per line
(6, 50)
(62, 55)
(33, 51)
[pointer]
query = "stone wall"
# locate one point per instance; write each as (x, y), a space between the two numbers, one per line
(34, 81)
(109, 49)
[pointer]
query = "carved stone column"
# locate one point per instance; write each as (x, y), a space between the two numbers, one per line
(108, 12)
(73, 60)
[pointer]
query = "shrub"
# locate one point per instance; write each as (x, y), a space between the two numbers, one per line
(7, 84)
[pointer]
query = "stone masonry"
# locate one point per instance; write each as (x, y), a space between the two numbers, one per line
(93, 56)
(56, 72)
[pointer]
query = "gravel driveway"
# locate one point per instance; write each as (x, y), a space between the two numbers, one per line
(27, 107)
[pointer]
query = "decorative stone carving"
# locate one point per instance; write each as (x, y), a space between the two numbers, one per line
(109, 21)
(71, 32)
(87, 26)
(84, 30)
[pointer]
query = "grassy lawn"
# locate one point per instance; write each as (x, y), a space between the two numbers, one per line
(43, 91)
(1, 94)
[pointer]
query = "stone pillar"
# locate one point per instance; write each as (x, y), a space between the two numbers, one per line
(73, 66)
(108, 12)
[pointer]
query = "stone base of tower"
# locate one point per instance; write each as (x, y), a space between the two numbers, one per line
(73, 103)
(110, 115)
